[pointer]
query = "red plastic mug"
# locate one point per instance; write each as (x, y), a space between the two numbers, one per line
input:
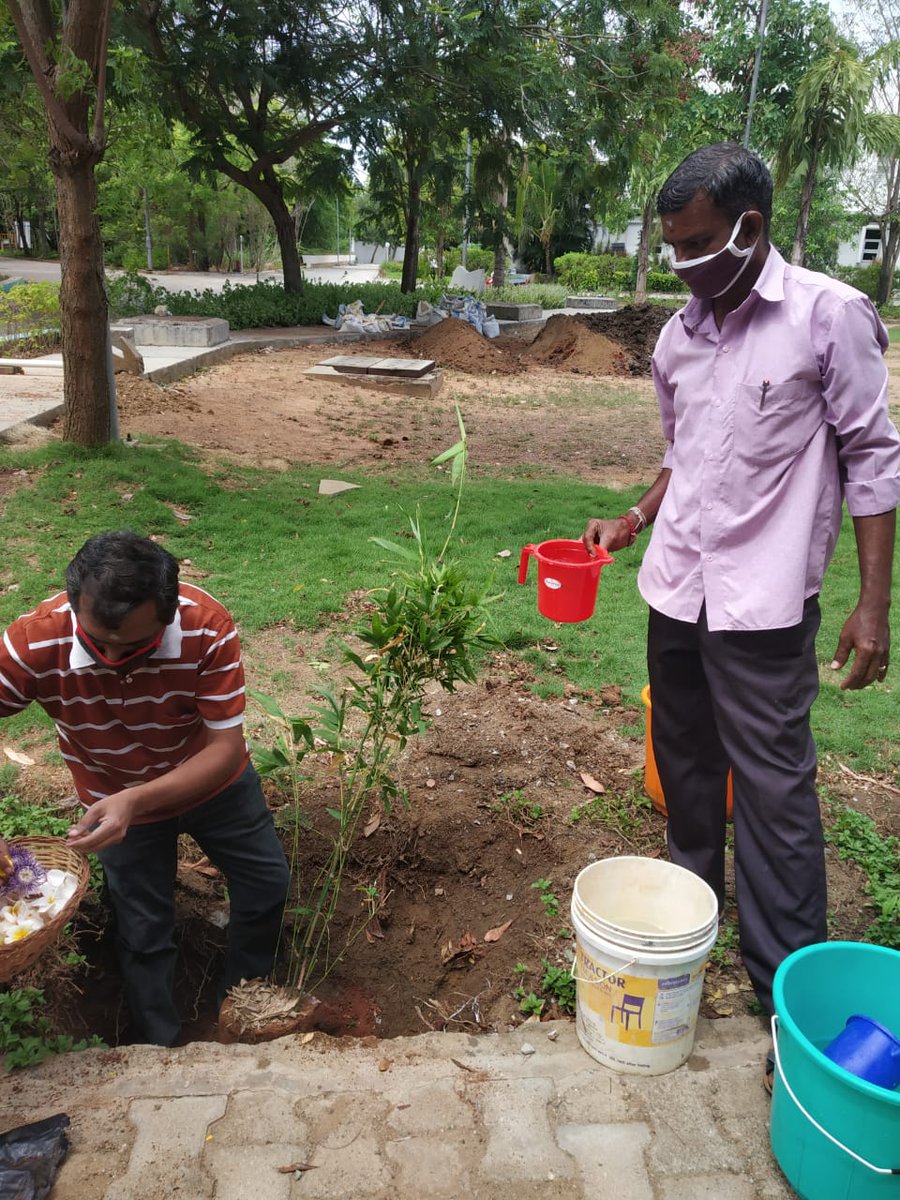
(567, 578)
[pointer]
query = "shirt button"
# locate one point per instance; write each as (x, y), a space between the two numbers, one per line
(709, 506)
(709, 558)
(724, 349)
(128, 679)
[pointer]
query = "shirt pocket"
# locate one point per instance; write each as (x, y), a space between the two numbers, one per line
(776, 423)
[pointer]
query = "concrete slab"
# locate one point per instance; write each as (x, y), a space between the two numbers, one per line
(179, 331)
(526, 330)
(32, 400)
(515, 312)
(603, 303)
(367, 364)
(428, 385)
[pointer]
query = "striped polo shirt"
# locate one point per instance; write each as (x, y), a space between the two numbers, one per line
(120, 728)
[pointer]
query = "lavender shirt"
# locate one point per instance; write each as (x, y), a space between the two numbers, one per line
(771, 422)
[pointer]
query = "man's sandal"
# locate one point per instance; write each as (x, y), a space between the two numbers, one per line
(769, 1077)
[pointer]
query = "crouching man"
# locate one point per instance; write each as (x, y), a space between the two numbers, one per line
(143, 677)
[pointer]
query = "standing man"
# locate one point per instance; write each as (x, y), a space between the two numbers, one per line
(143, 678)
(773, 397)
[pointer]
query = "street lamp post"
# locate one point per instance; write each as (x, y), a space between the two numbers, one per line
(763, 10)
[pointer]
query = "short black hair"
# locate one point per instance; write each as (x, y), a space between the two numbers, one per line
(734, 179)
(120, 570)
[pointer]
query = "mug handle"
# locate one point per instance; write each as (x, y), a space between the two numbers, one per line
(523, 562)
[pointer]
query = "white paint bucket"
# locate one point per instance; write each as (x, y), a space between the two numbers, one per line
(643, 931)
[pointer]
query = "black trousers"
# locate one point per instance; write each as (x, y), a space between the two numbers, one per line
(742, 699)
(234, 829)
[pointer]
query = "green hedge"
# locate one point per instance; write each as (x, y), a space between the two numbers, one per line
(264, 304)
(581, 272)
(865, 277)
(665, 281)
(29, 317)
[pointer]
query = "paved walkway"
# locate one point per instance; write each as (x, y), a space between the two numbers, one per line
(436, 1117)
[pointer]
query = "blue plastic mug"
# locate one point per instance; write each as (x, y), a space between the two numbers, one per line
(867, 1049)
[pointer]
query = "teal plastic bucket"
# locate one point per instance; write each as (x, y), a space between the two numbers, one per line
(835, 1136)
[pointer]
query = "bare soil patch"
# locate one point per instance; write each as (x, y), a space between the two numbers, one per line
(496, 796)
(584, 414)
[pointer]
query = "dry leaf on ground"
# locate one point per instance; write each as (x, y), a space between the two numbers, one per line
(16, 756)
(591, 783)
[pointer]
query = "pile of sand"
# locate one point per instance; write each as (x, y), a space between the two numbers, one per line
(568, 344)
(454, 343)
(636, 327)
(617, 343)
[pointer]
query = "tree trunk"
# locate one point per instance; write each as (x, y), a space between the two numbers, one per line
(82, 304)
(266, 187)
(502, 201)
(204, 242)
(39, 237)
(439, 252)
(23, 241)
(890, 248)
(77, 143)
(290, 256)
(798, 252)
(640, 287)
(411, 245)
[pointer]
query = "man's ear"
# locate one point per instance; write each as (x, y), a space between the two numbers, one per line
(752, 227)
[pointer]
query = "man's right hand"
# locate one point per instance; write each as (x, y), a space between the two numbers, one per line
(612, 534)
(104, 823)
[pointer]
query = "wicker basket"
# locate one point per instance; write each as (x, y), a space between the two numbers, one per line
(51, 853)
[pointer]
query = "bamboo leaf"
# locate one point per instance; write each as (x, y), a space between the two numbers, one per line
(453, 452)
(393, 548)
(267, 704)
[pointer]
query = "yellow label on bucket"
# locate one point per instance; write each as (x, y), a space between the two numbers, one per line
(639, 1010)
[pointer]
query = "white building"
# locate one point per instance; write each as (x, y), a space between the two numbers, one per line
(864, 248)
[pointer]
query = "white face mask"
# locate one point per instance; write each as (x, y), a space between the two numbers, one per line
(712, 275)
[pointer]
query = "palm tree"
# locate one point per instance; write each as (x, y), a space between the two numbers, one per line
(830, 125)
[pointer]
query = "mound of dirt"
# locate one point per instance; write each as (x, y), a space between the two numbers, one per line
(567, 343)
(635, 327)
(619, 343)
(453, 343)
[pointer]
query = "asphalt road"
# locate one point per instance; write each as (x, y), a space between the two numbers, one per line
(37, 270)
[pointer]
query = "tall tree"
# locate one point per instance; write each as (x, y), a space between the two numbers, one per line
(797, 33)
(257, 83)
(67, 55)
(874, 186)
(830, 125)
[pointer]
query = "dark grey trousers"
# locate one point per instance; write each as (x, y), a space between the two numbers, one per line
(234, 829)
(743, 699)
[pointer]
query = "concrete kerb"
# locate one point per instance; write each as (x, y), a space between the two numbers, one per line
(241, 344)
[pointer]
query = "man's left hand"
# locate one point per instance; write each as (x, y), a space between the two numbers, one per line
(104, 824)
(867, 635)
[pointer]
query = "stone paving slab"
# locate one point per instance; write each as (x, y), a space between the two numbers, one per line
(435, 1117)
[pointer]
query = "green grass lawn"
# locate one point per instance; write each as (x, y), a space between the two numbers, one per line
(275, 552)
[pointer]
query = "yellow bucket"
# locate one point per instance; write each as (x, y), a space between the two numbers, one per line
(652, 785)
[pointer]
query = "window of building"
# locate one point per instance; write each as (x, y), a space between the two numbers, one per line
(871, 244)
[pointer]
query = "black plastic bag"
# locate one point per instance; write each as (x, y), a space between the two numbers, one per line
(30, 1158)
